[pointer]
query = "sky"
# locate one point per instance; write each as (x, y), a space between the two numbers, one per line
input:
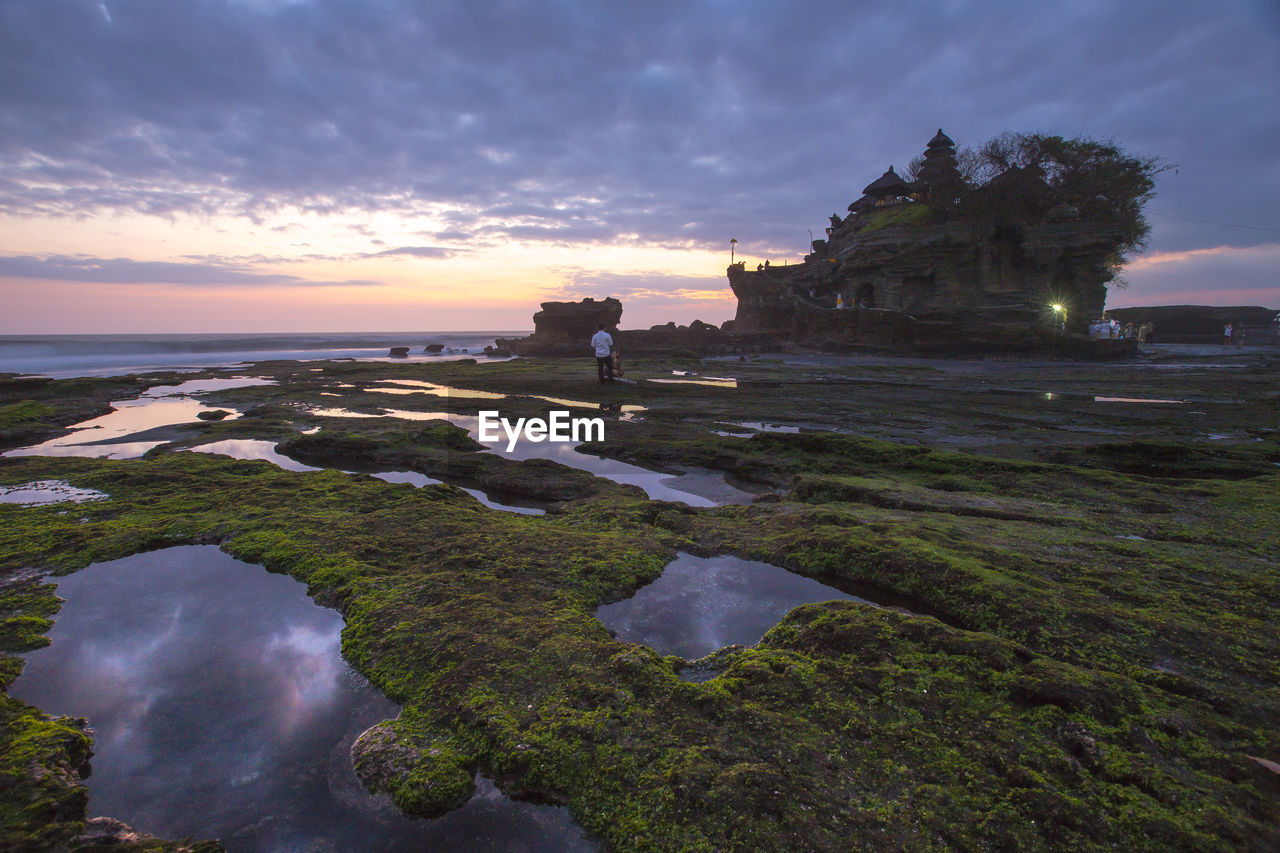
(378, 165)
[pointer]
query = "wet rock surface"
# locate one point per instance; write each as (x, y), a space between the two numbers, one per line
(1091, 582)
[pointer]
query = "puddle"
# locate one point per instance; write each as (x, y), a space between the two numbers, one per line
(223, 709)
(706, 380)
(45, 492)
(137, 426)
(416, 386)
(252, 448)
(413, 478)
(201, 386)
(699, 605)
(656, 485)
(625, 408)
(759, 426)
(711, 485)
(403, 414)
(246, 448)
(1132, 400)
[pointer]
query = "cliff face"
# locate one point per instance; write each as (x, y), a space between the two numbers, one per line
(931, 286)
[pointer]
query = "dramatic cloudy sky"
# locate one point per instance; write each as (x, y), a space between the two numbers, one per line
(321, 165)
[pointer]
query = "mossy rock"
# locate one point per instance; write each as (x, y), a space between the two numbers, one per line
(425, 776)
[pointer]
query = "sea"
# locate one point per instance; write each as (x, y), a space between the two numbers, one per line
(63, 356)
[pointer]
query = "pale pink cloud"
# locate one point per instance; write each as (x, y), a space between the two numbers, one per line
(1219, 275)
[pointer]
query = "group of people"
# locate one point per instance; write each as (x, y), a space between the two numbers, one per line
(1233, 334)
(1108, 328)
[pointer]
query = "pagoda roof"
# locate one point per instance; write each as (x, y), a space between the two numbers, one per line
(890, 183)
(940, 140)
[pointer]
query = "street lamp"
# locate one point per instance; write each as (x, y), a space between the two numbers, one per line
(1061, 311)
(733, 244)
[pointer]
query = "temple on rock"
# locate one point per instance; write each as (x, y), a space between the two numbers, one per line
(938, 263)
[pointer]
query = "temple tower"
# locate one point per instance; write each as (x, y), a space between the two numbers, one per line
(939, 178)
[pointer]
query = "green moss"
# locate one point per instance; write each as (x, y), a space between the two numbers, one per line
(1056, 686)
(24, 412)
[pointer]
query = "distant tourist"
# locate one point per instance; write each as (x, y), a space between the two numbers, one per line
(602, 342)
(1237, 335)
(1226, 335)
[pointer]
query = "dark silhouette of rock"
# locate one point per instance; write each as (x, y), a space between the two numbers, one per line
(433, 348)
(573, 322)
(399, 352)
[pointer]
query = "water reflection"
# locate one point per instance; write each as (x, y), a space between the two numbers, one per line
(413, 478)
(699, 605)
(158, 407)
(417, 386)
(252, 448)
(656, 485)
(222, 708)
(45, 492)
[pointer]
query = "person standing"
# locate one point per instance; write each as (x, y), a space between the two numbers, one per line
(602, 342)
(1226, 335)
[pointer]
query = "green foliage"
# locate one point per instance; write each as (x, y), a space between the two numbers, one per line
(1022, 177)
(908, 215)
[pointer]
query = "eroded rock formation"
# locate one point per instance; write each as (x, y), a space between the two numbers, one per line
(574, 322)
(936, 264)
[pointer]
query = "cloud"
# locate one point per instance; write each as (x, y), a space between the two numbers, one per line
(205, 273)
(1222, 275)
(652, 286)
(415, 251)
(660, 123)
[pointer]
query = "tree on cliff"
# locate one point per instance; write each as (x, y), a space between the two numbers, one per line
(1023, 177)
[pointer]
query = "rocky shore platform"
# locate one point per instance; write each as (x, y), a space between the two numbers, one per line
(1082, 559)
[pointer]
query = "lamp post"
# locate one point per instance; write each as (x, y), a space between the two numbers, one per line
(733, 244)
(1060, 310)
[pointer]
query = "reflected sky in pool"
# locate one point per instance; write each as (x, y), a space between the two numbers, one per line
(699, 605)
(253, 448)
(159, 406)
(657, 485)
(222, 708)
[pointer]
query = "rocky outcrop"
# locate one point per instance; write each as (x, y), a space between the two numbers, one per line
(944, 266)
(574, 322)
(931, 287)
(565, 329)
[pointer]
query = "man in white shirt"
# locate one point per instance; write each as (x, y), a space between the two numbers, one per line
(602, 342)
